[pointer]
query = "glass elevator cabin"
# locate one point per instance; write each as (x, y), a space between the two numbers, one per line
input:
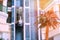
(19, 20)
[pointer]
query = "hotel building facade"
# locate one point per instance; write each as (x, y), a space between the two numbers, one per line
(6, 20)
(5, 28)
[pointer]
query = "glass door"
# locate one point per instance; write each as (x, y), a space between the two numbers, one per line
(19, 20)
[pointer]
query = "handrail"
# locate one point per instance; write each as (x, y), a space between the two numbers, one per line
(3, 8)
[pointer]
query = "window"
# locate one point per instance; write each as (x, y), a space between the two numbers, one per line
(12, 19)
(27, 15)
(17, 14)
(9, 3)
(27, 2)
(21, 3)
(2, 7)
(12, 2)
(12, 32)
(18, 3)
(27, 32)
(1, 4)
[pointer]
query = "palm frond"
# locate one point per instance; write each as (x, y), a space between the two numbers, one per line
(49, 18)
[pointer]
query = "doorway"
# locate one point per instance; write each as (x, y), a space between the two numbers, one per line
(19, 32)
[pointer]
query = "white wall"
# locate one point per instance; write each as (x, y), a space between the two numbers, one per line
(57, 37)
(4, 27)
(3, 17)
(5, 2)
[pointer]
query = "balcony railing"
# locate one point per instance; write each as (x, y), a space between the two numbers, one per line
(3, 8)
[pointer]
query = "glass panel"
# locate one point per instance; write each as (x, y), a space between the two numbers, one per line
(27, 15)
(5, 9)
(27, 2)
(9, 3)
(17, 14)
(12, 32)
(18, 3)
(33, 29)
(21, 2)
(12, 15)
(33, 9)
(27, 32)
(12, 2)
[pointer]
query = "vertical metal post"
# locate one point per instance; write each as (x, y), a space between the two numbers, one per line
(39, 30)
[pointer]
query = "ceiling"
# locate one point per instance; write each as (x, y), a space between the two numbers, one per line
(44, 3)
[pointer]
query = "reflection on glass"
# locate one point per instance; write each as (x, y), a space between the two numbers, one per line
(9, 17)
(12, 2)
(9, 4)
(27, 2)
(27, 32)
(21, 3)
(5, 9)
(12, 32)
(27, 15)
(18, 3)
(12, 15)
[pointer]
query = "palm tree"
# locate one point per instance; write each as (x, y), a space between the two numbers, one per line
(48, 19)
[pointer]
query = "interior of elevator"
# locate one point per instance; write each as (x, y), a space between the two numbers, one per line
(19, 25)
(19, 20)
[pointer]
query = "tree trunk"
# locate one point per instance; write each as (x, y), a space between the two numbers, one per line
(47, 31)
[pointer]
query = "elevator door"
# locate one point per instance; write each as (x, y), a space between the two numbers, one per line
(19, 33)
(19, 36)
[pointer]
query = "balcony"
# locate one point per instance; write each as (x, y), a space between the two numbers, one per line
(52, 32)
